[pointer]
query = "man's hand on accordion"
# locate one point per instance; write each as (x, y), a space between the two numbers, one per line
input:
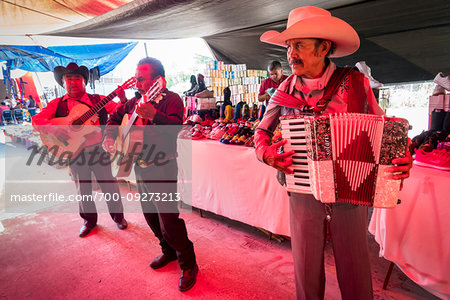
(278, 159)
(402, 165)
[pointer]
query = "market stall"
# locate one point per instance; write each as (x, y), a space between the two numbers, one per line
(414, 234)
(229, 181)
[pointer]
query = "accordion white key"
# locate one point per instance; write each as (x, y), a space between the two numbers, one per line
(346, 156)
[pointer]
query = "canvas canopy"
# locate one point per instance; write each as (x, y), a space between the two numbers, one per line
(402, 41)
(41, 59)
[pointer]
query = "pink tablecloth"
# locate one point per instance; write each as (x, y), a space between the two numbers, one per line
(415, 234)
(229, 181)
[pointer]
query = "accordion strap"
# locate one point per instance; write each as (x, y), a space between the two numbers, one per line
(332, 86)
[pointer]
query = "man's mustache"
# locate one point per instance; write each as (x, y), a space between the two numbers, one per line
(295, 61)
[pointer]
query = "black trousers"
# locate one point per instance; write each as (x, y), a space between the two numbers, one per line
(155, 184)
(82, 175)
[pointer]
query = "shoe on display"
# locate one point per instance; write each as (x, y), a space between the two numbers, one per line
(438, 90)
(261, 111)
(237, 111)
(437, 119)
(227, 96)
(197, 134)
(245, 112)
(228, 113)
(201, 83)
(436, 159)
(205, 94)
(446, 123)
(218, 133)
(442, 80)
(444, 145)
(250, 142)
(193, 84)
(254, 112)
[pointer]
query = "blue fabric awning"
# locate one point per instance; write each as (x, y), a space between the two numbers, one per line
(40, 59)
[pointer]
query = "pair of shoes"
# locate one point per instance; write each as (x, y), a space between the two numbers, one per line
(443, 81)
(188, 279)
(199, 87)
(122, 224)
(437, 159)
(85, 229)
(162, 260)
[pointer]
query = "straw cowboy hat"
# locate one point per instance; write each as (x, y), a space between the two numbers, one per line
(315, 22)
(71, 68)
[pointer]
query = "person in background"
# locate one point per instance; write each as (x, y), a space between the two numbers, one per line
(31, 105)
(74, 78)
(311, 37)
(276, 77)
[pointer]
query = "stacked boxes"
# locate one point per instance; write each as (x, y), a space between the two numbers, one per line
(436, 102)
(205, 103)
(194, 103)
(243, 83)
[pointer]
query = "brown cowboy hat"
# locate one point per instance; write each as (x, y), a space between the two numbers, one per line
(71, 68)
(315, 22)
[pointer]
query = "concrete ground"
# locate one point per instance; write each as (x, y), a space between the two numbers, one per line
(42, 257)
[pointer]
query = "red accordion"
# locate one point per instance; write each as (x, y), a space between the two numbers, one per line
(342, 158)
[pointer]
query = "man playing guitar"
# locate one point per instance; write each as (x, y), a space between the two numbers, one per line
(153, 177)
(74, 78)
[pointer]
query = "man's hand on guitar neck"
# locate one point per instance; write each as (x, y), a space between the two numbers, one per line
(121, 94)
(109, 144)
(146, 111)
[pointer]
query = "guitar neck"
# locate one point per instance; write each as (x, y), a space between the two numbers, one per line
(95, 109)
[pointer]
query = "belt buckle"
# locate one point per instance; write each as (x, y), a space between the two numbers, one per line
(143, 164)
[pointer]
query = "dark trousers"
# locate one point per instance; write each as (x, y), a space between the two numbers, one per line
(82, 175)
(348, 229)
(163, 216)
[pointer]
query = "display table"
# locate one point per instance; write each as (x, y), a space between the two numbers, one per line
(228, 180)
(415, 234)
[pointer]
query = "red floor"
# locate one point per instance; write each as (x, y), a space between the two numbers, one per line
(42, 257)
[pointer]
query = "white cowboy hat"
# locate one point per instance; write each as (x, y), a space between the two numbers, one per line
(315, 22)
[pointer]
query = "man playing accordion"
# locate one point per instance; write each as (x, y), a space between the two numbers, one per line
(311, 37)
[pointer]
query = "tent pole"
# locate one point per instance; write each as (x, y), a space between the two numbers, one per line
(145, 47)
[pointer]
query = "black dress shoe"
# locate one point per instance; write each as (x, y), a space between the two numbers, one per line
(85, 229)
(188, 279)
(122, 224)
(162, 260)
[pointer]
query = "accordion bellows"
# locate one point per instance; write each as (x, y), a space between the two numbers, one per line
(342, 158)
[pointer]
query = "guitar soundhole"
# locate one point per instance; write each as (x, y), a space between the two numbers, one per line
(77, 122)
(74, 127)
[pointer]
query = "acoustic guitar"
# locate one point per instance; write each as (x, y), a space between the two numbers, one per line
(80, 126)
(131, 133)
